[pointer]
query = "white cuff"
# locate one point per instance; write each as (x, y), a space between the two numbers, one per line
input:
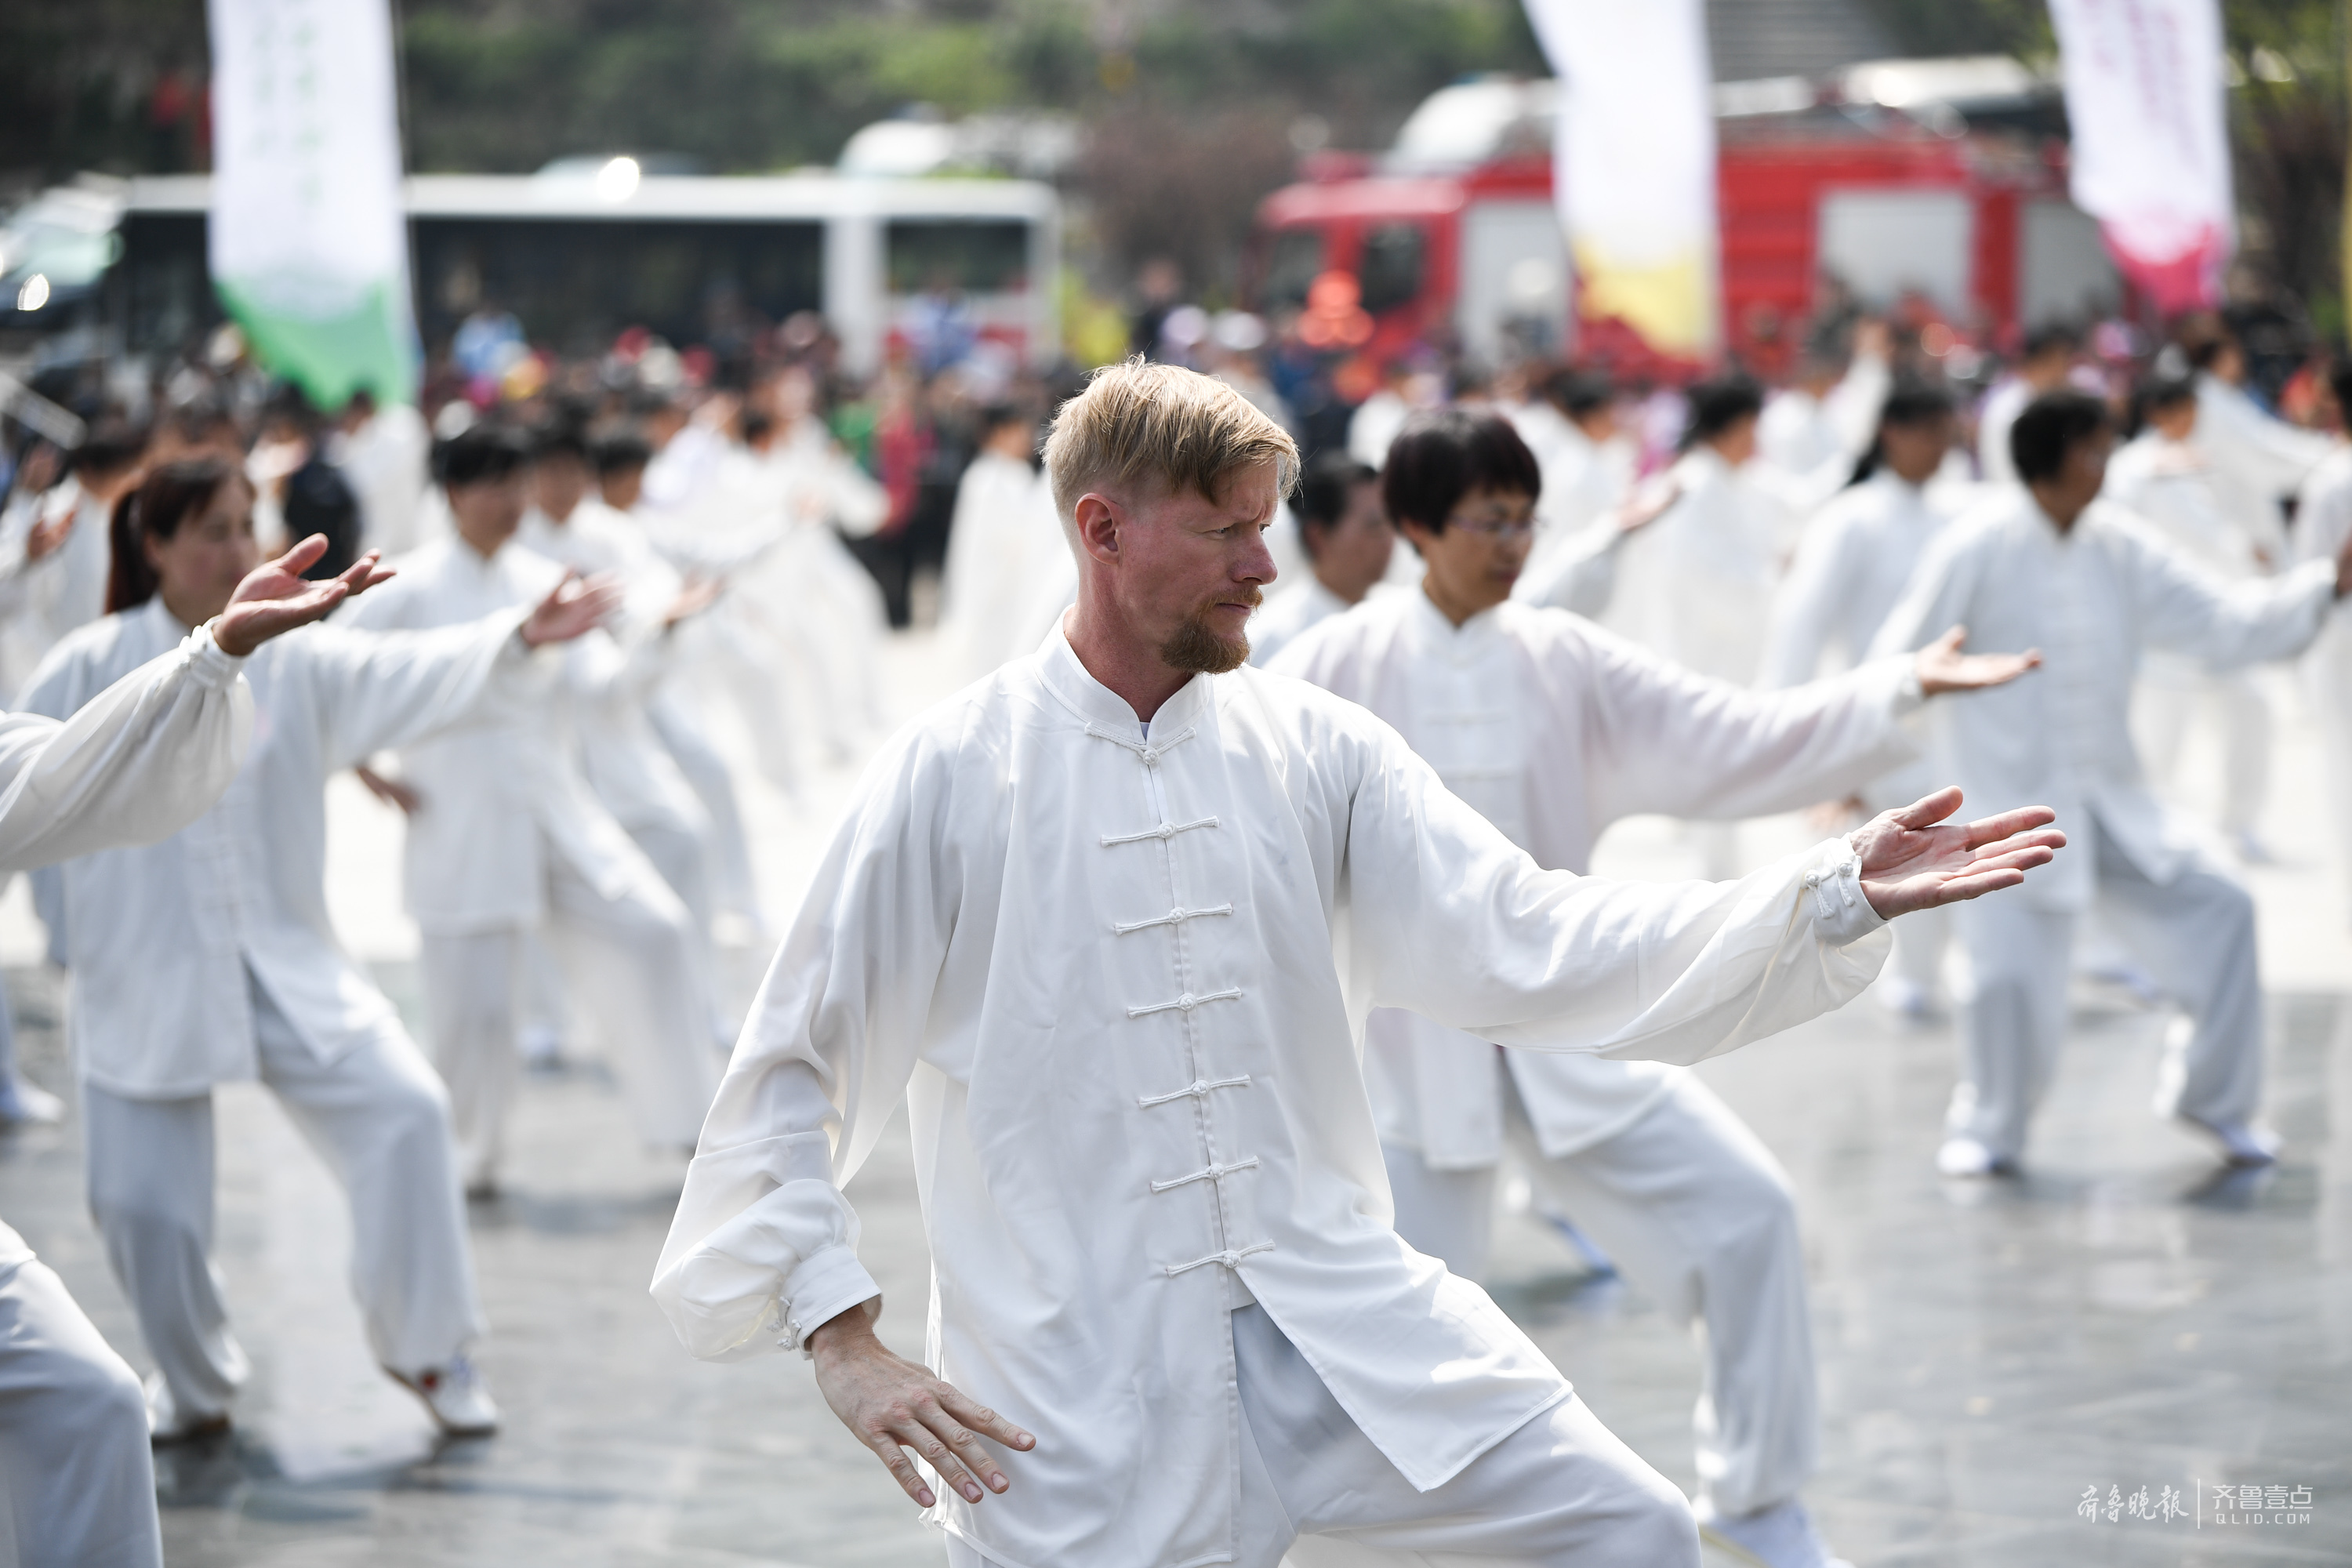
(827, 1283)
(207, 666)
(1840, 913)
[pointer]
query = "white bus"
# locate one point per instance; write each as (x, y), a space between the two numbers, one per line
(579, 255)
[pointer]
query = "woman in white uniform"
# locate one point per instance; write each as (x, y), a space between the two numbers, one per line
(140, 760)
(210, 958)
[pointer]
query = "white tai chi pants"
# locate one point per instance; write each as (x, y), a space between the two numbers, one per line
(1559, 1492)
(632, 959)
(1694, 1210)
(2194, 935)
(689, 745)
(377, 1116)
(77, 1477)
(680, 851)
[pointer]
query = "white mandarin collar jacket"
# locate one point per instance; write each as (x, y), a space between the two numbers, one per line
(160, 937)
(2092, 600)
(1105, 972)
(504, 787)
(140, 761)
(1552, 728)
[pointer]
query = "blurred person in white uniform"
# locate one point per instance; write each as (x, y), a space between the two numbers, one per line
(1816, 429)
(1854, 561)
(2165, 475)
(1002, 537)
(2259, 460)
(2051, 352)
(385, 452)
(1588, 462)
(1550, 727)
(136, 763)
(1344, 528)
(2323, 526)
(1087, 919)
(2054, 567)
(509, 837)
(209, 958)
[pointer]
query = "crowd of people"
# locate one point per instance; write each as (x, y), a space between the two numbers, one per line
(604, 580)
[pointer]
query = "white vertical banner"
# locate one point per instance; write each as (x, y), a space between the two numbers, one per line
(2145, 97)
(308, 247)
(1633, 167)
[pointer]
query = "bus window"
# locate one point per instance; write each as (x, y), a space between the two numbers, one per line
(1295, 261)
(983, 256)
(1390, 269)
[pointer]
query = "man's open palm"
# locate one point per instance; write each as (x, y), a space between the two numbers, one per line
(1915, 859)
(574, 608)
(1942, 667)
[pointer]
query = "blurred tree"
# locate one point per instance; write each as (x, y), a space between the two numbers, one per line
(100, 84)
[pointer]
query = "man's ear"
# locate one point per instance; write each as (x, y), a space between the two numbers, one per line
(1098, 518)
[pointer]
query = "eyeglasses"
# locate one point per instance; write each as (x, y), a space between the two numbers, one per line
(1495, 523)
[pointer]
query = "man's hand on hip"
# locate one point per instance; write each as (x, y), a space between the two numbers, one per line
(894, 1404)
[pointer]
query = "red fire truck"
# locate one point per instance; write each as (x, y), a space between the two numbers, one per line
(1933, 187)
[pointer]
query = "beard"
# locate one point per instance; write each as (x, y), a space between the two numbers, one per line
(1197, 647)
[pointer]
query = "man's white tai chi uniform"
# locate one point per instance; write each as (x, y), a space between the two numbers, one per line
(1116, 971)
(510, 838)
(2258, 459)
(1856, 558)
(2177, 486)
(1819, 439)
(209, 958)
(2322, 524)
(2093, 599)
(138, 762)
(1552, 729)
(1288, 613)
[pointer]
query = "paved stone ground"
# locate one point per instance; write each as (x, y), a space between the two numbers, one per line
(2124, 1317)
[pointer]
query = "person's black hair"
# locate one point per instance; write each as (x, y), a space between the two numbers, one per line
(2155, 394)
(559, 438)
(622, 451)
(2206, 348)
(1325, 488)
(1578, 394)
(2339, 382)
(168, 495)
(757, 422)
(1721, 402)
(2051, 426)
(1911, 402)
(319, 499)
(483, 454)
(996, 415)
(109, 448)
(2050, 338)
(1440, 457)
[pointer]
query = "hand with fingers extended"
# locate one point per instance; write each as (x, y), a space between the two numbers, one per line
(1915, 859)
(894, 1404)
(572, 608)
(275, 597)
(1942, 667)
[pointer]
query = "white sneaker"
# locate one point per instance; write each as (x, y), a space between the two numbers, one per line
(166, 1425)
(1781, 1536)
(454, 1396)
(27, 1104)
(2244, 1145)
(1967, 1157)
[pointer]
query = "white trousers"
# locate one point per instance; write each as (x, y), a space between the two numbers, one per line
(2176, 697)
(378, 1118)
(682, 734)
(76, 1477)
(1694, 1210)
(2194, 936)
(1920, 939)
(682, 854)
(632, 961)
(1559, 1492)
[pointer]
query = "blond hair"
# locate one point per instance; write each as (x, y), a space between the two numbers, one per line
(1140, 424)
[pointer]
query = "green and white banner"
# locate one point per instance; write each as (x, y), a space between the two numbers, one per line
(310, 251)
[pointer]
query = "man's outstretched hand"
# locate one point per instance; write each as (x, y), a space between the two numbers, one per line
(275, 597)
(894, 1404)
(574, 608)
(1915, 859)
(1942, 667)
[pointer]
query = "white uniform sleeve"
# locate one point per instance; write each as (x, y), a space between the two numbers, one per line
(1450, 920)
(1805, 609)
(2227, 625)
(1665, 739)
(763, 1248)
(136, 763)
(382, 691)
(1580, 576)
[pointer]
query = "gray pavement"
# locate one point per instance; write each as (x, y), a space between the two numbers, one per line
(2124, 1317)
